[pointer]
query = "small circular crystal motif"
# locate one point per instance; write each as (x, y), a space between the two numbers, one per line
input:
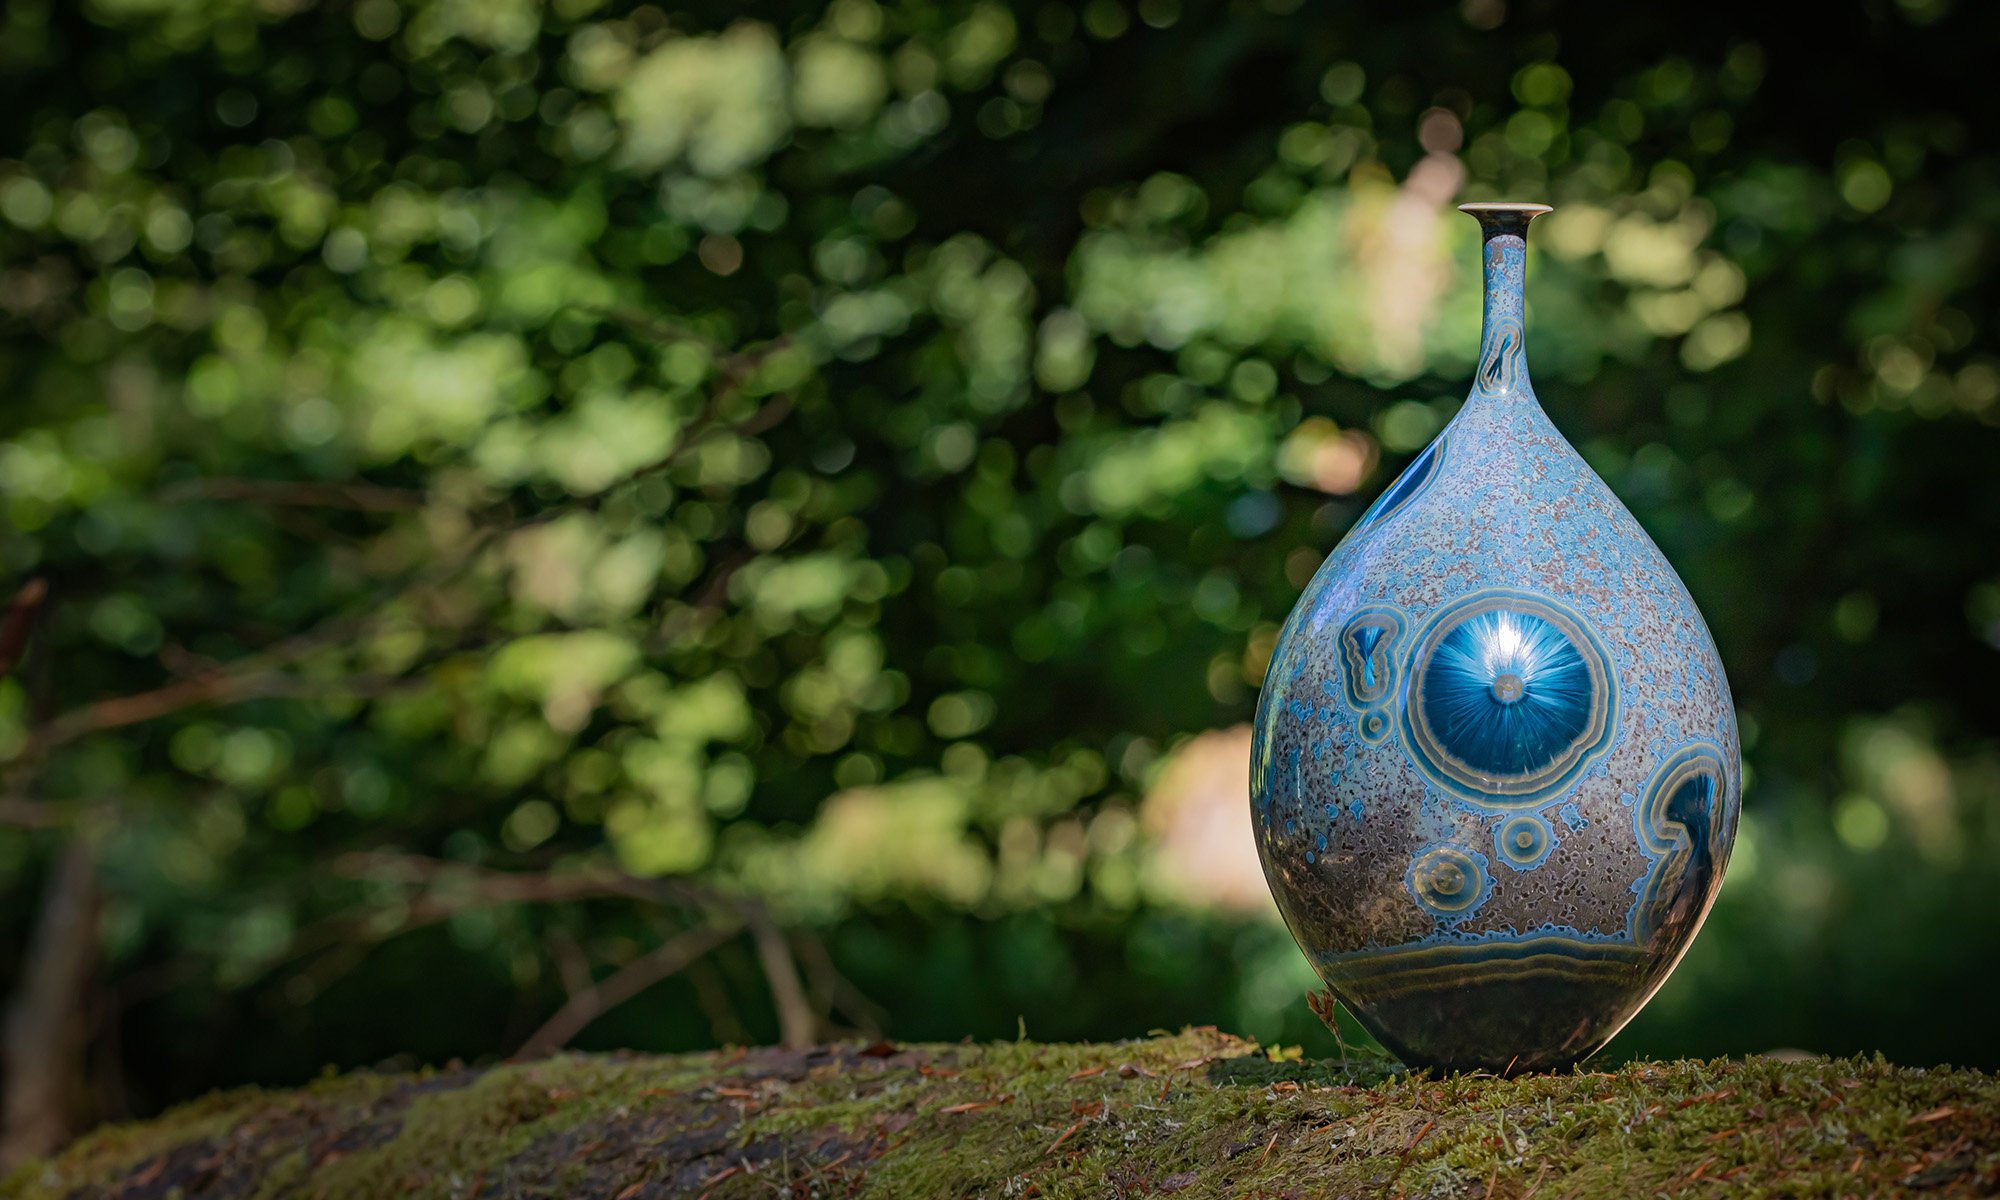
(1447, 881)
(1524, 841)
(1507, 688)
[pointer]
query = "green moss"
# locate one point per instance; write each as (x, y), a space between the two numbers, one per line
(1199, 1114)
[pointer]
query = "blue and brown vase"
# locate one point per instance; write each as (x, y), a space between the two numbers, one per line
(1495, 776)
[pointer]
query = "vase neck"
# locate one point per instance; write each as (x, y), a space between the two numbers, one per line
(1503, 362)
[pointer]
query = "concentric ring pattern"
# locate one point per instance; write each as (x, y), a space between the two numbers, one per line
(1523, 841)
(1448, 881)
(1368, 646)
(1511, 695)
(1680, 819)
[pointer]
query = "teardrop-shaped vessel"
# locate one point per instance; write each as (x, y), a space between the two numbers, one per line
(1495, 775)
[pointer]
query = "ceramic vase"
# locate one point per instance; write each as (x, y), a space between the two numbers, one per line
(1495, 775)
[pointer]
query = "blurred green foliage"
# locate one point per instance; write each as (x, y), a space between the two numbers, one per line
(834, 453)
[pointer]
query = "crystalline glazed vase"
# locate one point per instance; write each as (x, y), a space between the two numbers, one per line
(1495, 774)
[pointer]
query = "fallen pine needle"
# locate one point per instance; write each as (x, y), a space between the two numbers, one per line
(1074, 1126)
(1267, 1150)
(1428, 1126)
(1705, 1098)
(1936, 1114)
(716, 1179)
(1087, 1072)
(1538, 1182)
(976, 1105)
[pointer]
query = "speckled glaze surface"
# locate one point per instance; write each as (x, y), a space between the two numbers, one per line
(1495, 774)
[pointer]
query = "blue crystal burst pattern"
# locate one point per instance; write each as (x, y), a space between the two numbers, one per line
(1506, 692)
(1511, 697)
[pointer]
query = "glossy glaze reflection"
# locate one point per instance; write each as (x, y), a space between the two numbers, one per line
(1495, 775)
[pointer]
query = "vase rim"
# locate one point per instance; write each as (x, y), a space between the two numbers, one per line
(1523, 207)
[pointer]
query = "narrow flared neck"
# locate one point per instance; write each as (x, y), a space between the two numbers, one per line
(1503, 362)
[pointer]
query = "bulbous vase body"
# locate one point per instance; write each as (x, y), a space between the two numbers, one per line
(1495, 774)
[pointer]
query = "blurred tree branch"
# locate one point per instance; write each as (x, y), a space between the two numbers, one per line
(258, 676)
(19, 619)
(628, 981)
(22, 812)
(713, 997)
(832, 990)
(361, 497)
(454, 888)
(254, 679)
(797, 1026)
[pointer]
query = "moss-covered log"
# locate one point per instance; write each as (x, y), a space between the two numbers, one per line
(1199, 1114)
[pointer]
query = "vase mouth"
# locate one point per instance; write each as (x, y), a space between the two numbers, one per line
(1505, 208)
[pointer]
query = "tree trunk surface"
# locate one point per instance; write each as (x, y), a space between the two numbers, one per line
(1200, 1114)
(42, 1038)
